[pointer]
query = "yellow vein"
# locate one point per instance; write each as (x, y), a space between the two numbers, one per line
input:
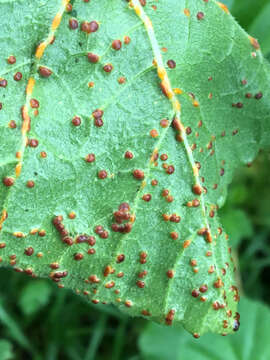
(167, 88)
(26, 120)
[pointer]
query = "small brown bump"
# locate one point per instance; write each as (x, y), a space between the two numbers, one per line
(164, 123)
(17, 76)
(147, 197)
(120, 258)
(170, 274)
(44, 72)
(140, 284)
(163, 157)
(8, 181)
(69, 8)
(43, 154)
(3, 83)
(93, 58)
(154, 133)
(93, 26)
(34, 103)
(174, 235)
(72, 215)
(165, 192)
(195, 203)
(203, 288)
(73, 24)
(121, 80)
(98, 122)
(11, 60)
(195, 293)
(78, 256)
(171, 64)
(85, 27)
(170, 169)
(116, 44)
(200, 15)
(30, 183)
(29, 251)
(128, 155)
(169, 317)
(138, 174)
(102, 174)
(127, 40)
(197, 189)
(33, 143)
(42, 233)
(90, 158)
(258, 96)
(193, 262)
(12, 124)
(108, 68)
(169, 198)
(154, 182)
(76, 121)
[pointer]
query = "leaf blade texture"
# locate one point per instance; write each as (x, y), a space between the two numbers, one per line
(119, 140)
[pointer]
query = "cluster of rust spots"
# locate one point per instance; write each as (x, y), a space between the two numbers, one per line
(123, 219)
(194, 203)
(169, 317)
(166, 194)
(97, 115)
(101, 232)
(89, 27)
(58, 275)
(206, 233)
(143, 257)
(60, 227)
(173, 218)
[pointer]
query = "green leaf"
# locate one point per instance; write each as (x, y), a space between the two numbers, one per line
(159, 343)
(6, 350)
(150, 256)
(34, 296)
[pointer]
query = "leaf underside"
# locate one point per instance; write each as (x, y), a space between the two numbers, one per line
(120, 204)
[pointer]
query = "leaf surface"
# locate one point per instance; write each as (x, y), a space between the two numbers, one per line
(117, 147)
(250, 343)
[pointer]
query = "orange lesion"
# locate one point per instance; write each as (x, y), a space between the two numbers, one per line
(223, 7)
(186, 12)
(30, 86)
(56, 21)
(3, 218)
(18, 169)
(40, 50)
(254, 42)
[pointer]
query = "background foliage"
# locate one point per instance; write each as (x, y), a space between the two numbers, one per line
(39, 321)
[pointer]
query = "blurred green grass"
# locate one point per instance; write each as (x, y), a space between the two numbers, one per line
(40, 322)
